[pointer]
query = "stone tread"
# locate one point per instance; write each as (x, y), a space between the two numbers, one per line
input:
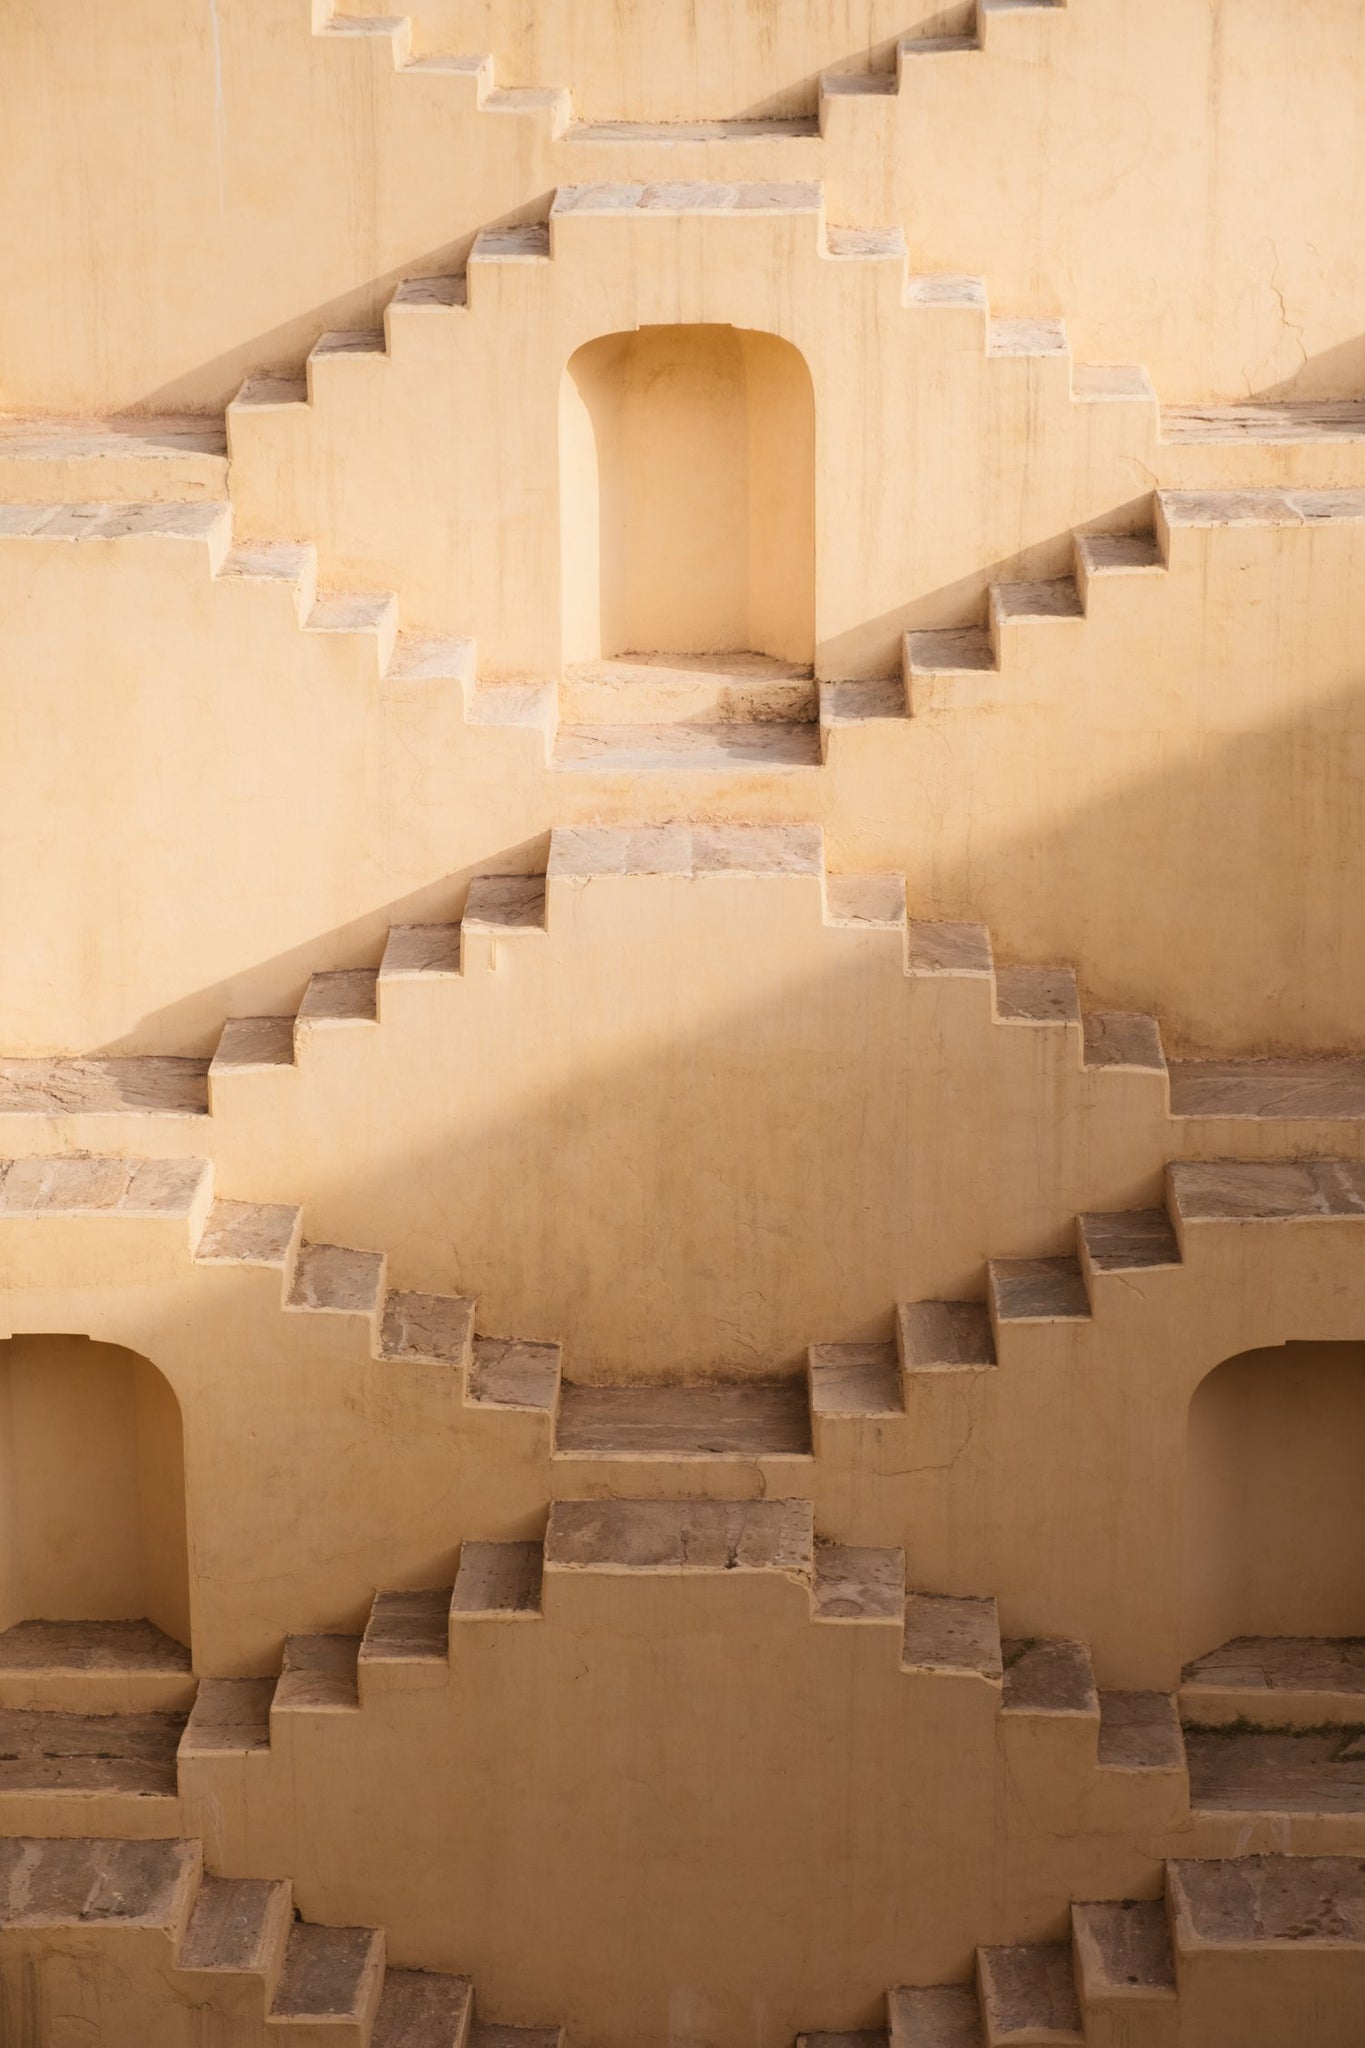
(1255, 1667)
(1047, 1675)
(433, 1329)
(1026, 338)
(158, 437)
(946, 1336)
(946, 289)
(1123, 1949)
(1236, 1769)
(406, 1628)
(1036, 995)
(130, 1754)
(1111, 554)
(1292, 420)
(858, 1584)
(1255, 1901)
(1236, 1191)
(484, 2034)
(581, 852)
(229, 1715)
(947, 1634)
(146, 1084)
(450, 289)
(698, 749)
(802, 127)
(328, 1972)
(92, 521)
(505, 903)
(1057, 599)
(422, 2009)
(682, 1535)
(514, 1372)
(1258, 507)
(346, 996)
(1303, 1089)
(318, 1675)
(254, 1042)
(95, 1646)
(417, 951)
(951, 651)
(83, 1881)
(1028, 1994)
(336, 1279)
(934, 948)
(855, 1379)
(935, 2016)
(238, 1923)
(498, 1578)
(685, 196)
(1127, 1240)
(1140, 1731)
(84, 1187)
(755, 1419)
(1038, 1290)
(248, 1234)
(1122, 1038)
(866, 900)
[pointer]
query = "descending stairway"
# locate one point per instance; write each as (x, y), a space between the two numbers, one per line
(1151, 1964)
(235, 1942)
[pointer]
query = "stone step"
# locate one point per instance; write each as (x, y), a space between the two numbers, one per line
(854, 1379)
(1266, 1902)
(669, 134)
(1305, 1090)
(1036, 995)
(82, 1882)
(337, 1280)
(752, 1419)
(423, 2009)
(230, 1717)
(250, 1234)
(1237, 1769)
(407, 1628)
(1277, 1681)
(514, 1372)
(318, 1675)
(685, 197)
(1287, 421)
(1028, 1995)
(130, 1757)
(1122, 1951)
(347, 996)
(954, 1637)
(430, 1329)
(945, 1336)
(655, 690)
(1254, 1191)
(333, 1977)
(105, 1187)
(580, 853)
(420, 952)
(935, 2015)
(682, 1535)
(238, 1924)
(1139, 1731)
(1036, 1291)
(498, 1579)
(1047, 1675)
(94, 1667)
(1122, 1038)
(694, 749)
(144, 1084)
(858, 1584)
(167, 457)
(1126, 1240)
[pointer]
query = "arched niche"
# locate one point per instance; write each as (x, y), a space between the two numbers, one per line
(1274, 1529)
(92, 1487)
(687, 495)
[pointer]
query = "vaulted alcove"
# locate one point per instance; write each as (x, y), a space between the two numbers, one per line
(1274, 1532)
(687, 495)
(92, 1487)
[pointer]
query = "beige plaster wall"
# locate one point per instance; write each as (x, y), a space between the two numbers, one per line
(1274, 1519)
(1147, 174)
(95, 1500)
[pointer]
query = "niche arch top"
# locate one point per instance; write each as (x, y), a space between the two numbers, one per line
(687, 496)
